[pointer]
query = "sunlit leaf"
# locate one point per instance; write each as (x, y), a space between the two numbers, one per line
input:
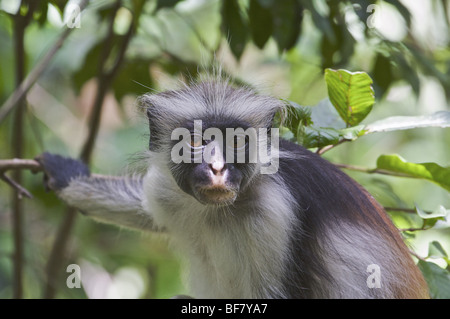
(429, 171)
(351, 94)
(438, 119)
(438, 279)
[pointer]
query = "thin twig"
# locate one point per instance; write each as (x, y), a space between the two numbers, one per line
(406, 210)
(324, 149)
(40, 67)
(416, 255)
(16, 163)
(29, 164)
(20, 24)
(412, 229)
(20, 190)
(105, 79)
(371, 170)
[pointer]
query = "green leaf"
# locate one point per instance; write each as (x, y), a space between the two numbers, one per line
(429, 171)
(430, 219)
(133, 78)
(382, 74)
(137, 8)
(320, 21)
(89, 69)
(319, 125)
(42, 13)
(260, 23)
(166, 4)
(363, 11)
(438, 119)
(440, 212)
(435, 250)
(405, 71)
(402, 10)
(312, 137)
(297, 115)
(234, 27)
(59, 4)
(338, 49)
(287, 21)
(325, 115)
(438, 279)
(351, 94)
(352, 133)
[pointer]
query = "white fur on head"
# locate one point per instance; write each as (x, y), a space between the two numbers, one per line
(210, 98)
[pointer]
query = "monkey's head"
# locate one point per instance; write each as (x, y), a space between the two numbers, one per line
(210, 135)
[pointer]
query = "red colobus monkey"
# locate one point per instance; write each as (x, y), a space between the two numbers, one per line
(304, 230)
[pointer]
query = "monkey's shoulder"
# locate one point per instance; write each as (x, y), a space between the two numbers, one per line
(297, 157)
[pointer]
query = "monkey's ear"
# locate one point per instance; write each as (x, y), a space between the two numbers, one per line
(154, 139)
(279, 116)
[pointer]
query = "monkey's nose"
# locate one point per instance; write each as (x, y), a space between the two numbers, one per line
(218, 167)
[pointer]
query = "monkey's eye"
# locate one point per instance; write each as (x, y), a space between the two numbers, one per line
(197, 142)
(239, 142)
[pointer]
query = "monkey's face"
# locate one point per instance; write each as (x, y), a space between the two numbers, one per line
(207, 161)
(216, 166)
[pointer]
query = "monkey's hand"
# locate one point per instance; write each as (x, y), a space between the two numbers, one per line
(59, 170)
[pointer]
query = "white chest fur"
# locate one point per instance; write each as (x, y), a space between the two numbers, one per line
(232, 253)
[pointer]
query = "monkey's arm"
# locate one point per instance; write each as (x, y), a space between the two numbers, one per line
(109, 199)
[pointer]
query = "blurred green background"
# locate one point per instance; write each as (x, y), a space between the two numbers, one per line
(279, 47)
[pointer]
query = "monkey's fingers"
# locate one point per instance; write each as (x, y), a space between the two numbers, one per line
(59, 170)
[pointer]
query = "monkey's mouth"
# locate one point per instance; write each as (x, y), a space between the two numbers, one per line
(216, 195)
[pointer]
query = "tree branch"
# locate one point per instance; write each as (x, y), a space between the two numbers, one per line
(32, 77)
(412, 229)
(406, 210)
(16, 163)
(20, 24)
(416, 255)
(28, 164)
(370, 170)
(20, 190)
(324, 149)
(105, 79)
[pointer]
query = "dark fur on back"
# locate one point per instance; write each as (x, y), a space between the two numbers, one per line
(328, 198)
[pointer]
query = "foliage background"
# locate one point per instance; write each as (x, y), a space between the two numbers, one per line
(280, 47)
